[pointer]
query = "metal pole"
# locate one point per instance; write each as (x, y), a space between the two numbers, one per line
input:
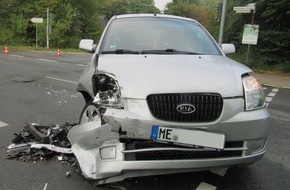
(47, 29)
(248, 50)
(36, 35)
(222, 22)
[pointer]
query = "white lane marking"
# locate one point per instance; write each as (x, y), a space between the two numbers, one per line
(3, 124)
(269, 99)
(63, 80)
(46, 60)
(16, 55)
(45, 186)
(272, 94)
(205, 186)
(81, 65)
(219, 171)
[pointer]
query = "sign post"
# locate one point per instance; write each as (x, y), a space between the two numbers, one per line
(223, 16)
(36, 20)
(250, 34)
(47, 28)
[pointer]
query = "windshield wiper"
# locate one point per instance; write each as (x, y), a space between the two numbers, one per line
(169, 51)
(121, 51)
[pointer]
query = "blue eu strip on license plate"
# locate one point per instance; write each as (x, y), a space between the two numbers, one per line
(154, 132)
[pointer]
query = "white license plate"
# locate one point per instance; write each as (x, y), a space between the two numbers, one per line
(188, 137)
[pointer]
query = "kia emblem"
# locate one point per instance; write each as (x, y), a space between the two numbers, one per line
(185, 108)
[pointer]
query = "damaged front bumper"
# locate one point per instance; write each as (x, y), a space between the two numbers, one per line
(122, 147)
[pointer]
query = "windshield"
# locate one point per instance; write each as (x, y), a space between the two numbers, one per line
(157, 36)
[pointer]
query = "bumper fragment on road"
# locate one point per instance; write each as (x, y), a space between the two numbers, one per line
(37, 141)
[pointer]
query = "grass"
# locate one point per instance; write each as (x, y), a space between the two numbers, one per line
(34, 48)
(261, 65)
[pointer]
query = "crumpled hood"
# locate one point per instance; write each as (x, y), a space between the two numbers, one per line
(141, 75)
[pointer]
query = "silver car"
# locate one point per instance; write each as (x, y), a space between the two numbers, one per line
(162, 97)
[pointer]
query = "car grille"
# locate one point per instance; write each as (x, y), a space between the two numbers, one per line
(178, 154)
(208, 107)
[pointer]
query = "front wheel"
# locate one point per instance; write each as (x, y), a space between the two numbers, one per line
(90, 113)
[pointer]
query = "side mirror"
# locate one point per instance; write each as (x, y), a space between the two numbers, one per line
(228, 48)
(87, 45)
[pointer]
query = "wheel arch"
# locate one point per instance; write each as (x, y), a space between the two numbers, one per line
(86, 96)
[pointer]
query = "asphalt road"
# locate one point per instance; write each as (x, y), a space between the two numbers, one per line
(40, 88)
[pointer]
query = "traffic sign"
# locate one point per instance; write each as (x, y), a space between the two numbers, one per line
(246, 9)
(242, 9)
(252, 6)
(36, 20)
(250, 34)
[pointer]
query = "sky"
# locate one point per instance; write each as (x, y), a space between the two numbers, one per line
(160, 4)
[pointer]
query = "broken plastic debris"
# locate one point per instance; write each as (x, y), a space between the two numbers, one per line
(60, 157)
(36, 142)
(38, 135)
(14, 149)
(67, 174)
(53, 148)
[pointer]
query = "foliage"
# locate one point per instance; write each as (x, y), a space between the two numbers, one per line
(201, 10)
(141, 6)
(74, 20)
(110, 8)
(273, 46)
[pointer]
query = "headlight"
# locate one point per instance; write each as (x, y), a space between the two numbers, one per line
(254, 95)
(109, 98)
(107, 90)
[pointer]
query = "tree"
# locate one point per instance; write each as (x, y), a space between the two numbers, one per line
(142, 6)
(191, 9)
(274, 36)
(110, 8)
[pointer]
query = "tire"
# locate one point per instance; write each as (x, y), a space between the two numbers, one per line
(91, 112)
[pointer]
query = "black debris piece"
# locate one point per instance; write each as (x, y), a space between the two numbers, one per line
(23, 144)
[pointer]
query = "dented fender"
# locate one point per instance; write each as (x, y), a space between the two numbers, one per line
(91, 138)
(118, 124)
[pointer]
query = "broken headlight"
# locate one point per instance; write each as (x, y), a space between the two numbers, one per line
(107, 90)
(254, 95)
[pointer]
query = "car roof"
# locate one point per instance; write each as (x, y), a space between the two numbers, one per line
(152, 15)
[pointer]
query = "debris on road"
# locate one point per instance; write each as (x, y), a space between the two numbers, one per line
(68, 174)
(36, 141)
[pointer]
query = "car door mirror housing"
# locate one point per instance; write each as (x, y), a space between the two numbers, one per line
(87, 45)
(228, 48)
